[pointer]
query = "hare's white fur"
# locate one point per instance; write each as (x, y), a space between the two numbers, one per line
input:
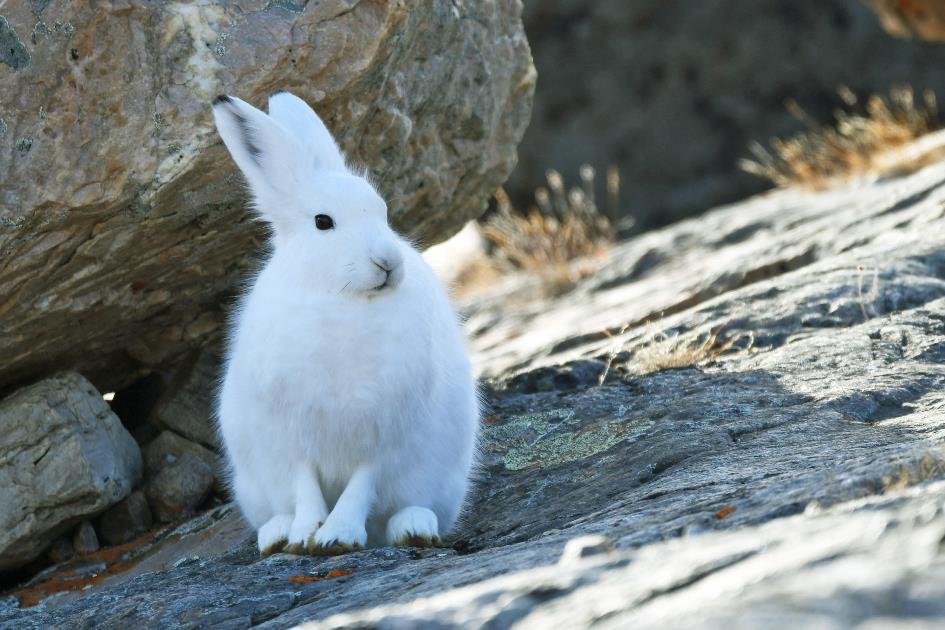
(348, 410)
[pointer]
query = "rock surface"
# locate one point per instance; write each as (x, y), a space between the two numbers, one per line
(85, 540)
(868, 564)
(126, 519)
(168, 447)
(674, 92)
(64, 456)
(187, 404)
(792, 482)
(60, 550)
(123, 226)
(179, 488)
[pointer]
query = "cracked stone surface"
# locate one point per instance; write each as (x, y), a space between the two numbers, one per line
(123, 222)
(793, 480)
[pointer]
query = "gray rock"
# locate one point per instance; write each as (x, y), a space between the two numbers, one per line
(124, 229)
(168, 447)
(63, 457)
(796, 483)
(674, 93)
(187, 404)
(179, 488)
(126, 519)
(85, 540)
(874, 560)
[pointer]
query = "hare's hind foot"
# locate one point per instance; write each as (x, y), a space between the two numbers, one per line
(413, 527)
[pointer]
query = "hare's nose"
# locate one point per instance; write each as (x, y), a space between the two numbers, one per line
(384, 264)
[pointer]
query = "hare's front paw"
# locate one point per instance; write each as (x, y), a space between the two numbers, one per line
(336, 537)
(274, 534)
(302, 533)
(413, 527)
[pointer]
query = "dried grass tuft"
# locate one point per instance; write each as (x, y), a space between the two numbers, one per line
(670, 352)
(926, 468)
(862, 139)
(562, 238)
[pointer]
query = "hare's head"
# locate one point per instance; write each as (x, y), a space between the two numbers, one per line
(329, 219)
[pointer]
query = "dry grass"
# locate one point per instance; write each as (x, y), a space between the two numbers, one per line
(861, 139)
(670, 352)
(563, 237)
(867, 298)
(476, 276)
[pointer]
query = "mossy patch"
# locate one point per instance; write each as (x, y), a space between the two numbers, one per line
(295, 6)
(23, 145)
(219, 48)
(556, 437)
(13, 52)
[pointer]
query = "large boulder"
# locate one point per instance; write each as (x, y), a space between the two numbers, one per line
(123, 223)
(64, 456)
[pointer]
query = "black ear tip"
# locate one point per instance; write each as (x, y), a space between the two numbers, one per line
(278, 92)
(222, 98)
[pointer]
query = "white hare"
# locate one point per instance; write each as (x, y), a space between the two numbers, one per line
(348, 411)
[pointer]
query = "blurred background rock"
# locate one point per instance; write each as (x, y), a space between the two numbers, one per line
(674, 92)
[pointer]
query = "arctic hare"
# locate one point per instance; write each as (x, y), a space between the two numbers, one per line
(348, 410)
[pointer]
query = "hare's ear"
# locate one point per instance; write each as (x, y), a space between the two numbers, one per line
(264, 151)
(319, 148)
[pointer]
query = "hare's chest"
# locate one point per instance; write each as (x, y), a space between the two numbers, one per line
(321, 363)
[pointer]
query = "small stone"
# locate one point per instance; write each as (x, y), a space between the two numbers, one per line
(578, 549)
(179, 488)
(85, 540)
(168, 447)
(123, 521)
(60, 551)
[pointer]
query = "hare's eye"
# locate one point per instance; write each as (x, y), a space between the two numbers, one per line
(324, 222)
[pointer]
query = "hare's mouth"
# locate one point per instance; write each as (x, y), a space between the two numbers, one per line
(391, 281)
